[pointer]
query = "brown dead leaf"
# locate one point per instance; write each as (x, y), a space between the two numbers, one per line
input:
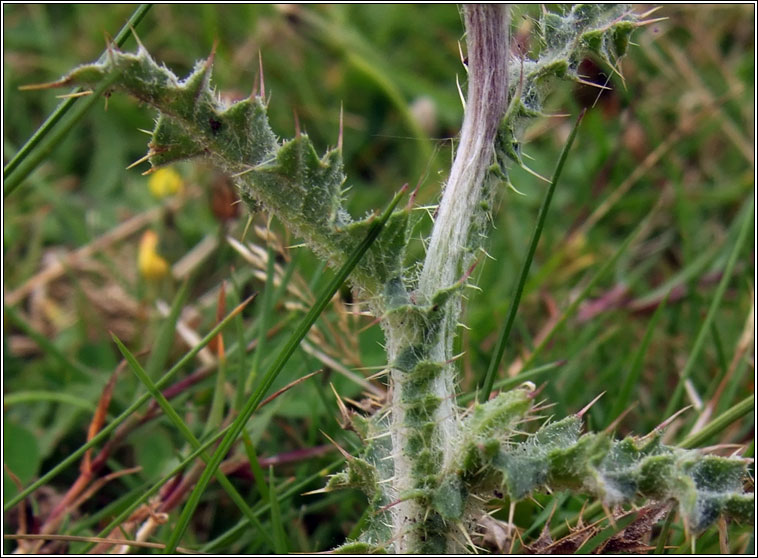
(635, 538)
(495, 535)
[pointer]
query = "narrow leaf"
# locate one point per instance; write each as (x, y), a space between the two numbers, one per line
(489, 379)
(694, 355)
(14, 173)
(55, 471)
(174, 417)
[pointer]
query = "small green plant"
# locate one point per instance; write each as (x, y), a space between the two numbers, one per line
(427, 466)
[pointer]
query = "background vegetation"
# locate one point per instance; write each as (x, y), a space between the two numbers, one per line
(672, 146)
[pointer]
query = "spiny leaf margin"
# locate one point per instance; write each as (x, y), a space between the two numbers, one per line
(287, 177)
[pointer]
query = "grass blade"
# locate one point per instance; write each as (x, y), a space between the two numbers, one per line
(280, 539)
(489, 379)
(255, 466)
(165, 338)
(234, 533)
(49, 348)
(694, 355)
(13, 173)
(282, 358)
(664, 534)
(719, 423)
(180, 425)
(48, 396)
(100, 436)
(216, 412)
(126, 513)
(633, 375)
(266, 305)
(606, 267)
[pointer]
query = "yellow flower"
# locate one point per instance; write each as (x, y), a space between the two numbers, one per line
(151, 265)
(165, 182)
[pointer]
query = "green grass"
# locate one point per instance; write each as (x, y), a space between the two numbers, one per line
(653, 204)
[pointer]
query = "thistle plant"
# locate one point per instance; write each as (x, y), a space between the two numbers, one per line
(428, 467)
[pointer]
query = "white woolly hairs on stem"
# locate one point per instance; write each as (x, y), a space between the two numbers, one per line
(487, 39)
(488, 53)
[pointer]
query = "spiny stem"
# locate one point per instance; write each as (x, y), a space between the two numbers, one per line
(448, 256)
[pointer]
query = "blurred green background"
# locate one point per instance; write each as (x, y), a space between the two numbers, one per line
(674, 142)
